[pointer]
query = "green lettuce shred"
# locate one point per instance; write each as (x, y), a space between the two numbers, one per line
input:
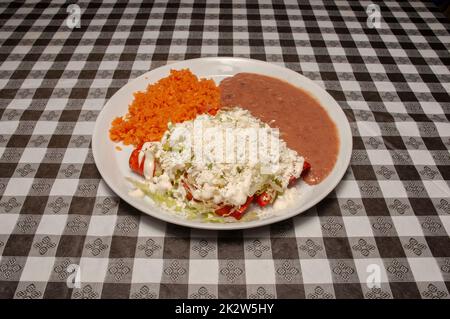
(194, 210)
(157, 197)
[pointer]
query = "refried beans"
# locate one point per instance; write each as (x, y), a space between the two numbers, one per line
(303, 123)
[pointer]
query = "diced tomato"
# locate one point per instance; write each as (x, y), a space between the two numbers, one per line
(224, 210)
(264, 199)
(306, 168)
(134, 162)
(239, 212)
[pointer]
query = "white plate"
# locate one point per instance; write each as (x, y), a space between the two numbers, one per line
(113, 164)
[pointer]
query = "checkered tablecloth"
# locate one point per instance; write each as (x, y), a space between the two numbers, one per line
(388, 219)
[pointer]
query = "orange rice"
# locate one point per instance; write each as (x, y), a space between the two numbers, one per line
(179, 97)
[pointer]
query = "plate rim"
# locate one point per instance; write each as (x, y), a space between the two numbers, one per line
(222, 226)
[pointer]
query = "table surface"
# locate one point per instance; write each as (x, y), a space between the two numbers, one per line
(389, 218)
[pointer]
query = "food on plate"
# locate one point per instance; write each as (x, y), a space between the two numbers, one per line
(179, 97)
(201, 175)
(216, 184)
(303, 122)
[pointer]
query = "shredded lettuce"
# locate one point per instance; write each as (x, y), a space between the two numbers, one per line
(159, 198)
(201, 207)
(194, 210)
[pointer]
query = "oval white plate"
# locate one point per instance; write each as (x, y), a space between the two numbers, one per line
(113, 164)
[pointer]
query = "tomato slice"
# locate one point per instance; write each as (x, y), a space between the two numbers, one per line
(134, 162)
(224, 210)
(239, 212)
(264, 199)
(305, 170)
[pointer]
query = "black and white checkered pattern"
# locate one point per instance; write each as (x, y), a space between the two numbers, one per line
(392, 208)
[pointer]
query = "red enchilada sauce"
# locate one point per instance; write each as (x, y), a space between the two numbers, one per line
(304, 124)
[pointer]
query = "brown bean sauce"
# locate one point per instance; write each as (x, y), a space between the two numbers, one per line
(303, 122)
